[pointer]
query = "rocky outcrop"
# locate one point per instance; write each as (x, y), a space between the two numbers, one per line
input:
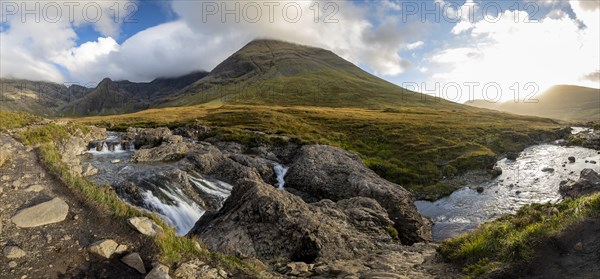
(166, 152)
(324, 172)
(261, 221)
(49, 212)
(589, 182)
(148, 137)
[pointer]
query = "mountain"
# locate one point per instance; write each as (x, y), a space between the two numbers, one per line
(38, 97)
(565, 102)
(281, 73)
(116, 97)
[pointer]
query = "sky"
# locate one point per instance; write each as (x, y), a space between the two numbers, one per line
(458, 50)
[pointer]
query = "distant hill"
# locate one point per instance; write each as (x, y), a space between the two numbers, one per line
(565, 102)
(269, 72)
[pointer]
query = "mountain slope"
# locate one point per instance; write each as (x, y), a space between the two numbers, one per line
(115, 97)
(269, 72)
(566, 102)
(42, 98)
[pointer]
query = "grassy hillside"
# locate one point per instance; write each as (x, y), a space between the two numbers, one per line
(268, 72)
(566, 102)
(11, 120)
(414, 147)
(512, 240)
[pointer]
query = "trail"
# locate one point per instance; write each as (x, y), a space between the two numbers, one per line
(57, 250)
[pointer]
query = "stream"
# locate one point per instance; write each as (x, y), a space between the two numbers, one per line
(534, 177)
(174, 191)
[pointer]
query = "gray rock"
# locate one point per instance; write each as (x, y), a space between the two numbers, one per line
(14, 252)
(145, 226)
(163, 153)
(589, 182)
(106, 248)
(49, 212)
(571, 159)
(324, 172)
(159, 272)
(134, 261)
(512, 156)
(147, 136)
(89, 170)
(548, 170)
(261, 221)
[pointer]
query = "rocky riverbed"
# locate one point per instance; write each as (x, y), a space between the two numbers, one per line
(316, 207)
(533, 176)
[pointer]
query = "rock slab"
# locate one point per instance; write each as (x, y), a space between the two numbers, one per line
(49, 212)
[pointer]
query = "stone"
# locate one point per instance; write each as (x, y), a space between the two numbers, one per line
(512, 156)
(548, 170)
(480, 189)
(106, 248)
(34, 188)
(571, 159)
(589, 182)
(49, 212)
(115, 161)
(593, 162)
(134, 261)
(14, 252)
(89, 170)
(578, 246)
(12, 264)
(323, 172)
(145, 226)
(297, 268)
(263, 222)
(159, 272)
(496, 171)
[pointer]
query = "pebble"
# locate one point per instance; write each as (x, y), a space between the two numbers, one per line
(12, 264)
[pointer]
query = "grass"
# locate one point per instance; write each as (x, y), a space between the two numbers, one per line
(12, 120)
(512, 239)
(172, 248)
(412, 146)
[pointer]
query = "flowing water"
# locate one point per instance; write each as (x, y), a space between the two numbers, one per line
(534, 177)
(280, 172)
(159, 195)
(160, 185)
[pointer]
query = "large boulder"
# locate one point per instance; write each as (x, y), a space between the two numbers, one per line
(164, 153)
(589, 182)
(260, 221)
(324, 172)
(147, 136)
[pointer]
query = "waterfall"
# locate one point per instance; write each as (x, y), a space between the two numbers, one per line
(182, 214)
(280, 172)
(217, 189)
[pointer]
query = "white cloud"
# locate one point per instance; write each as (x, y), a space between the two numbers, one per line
(552, 51)
(415, 45)
(194, 42)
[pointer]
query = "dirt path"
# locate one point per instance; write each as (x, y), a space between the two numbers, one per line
(574, 253)
(57, 250)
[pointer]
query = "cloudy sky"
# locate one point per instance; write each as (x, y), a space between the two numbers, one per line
(444, 47)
